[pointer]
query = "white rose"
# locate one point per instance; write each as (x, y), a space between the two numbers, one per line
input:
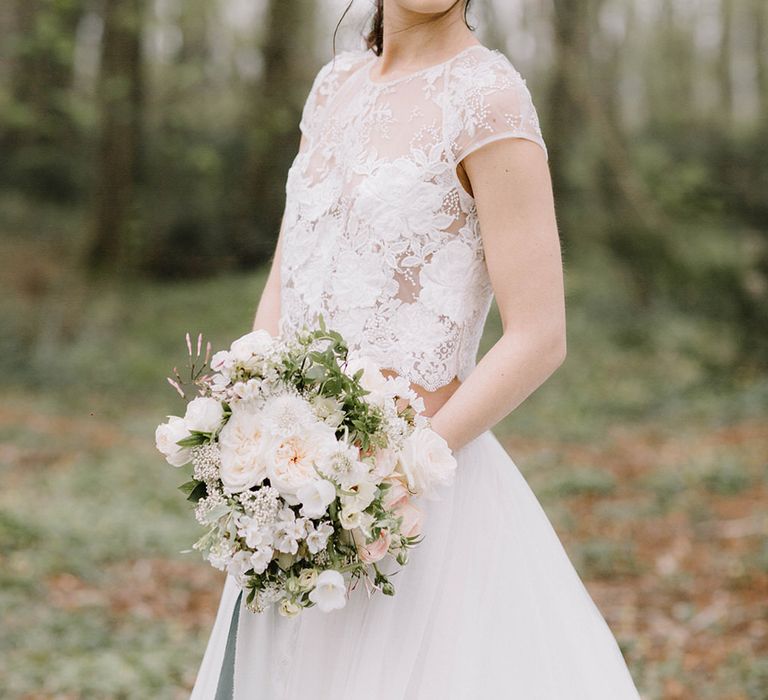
(204, 414)
(308, 578)
(255, 343)
(166, 437)
(287, 608)
(241, 445)
(329, 592)
(315, 497)
(426, 461)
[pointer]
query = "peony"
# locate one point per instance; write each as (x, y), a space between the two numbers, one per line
(204, 414)
(426, 461)
(329, 592)
(166, 437)
(315, 497)
(291, 460)
(254, 344)
(370, 552)
(241, 446)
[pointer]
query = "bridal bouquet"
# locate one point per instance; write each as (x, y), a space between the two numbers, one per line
(304, 463)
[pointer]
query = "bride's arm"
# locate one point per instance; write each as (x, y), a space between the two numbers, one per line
(268, 310)
(512, 187)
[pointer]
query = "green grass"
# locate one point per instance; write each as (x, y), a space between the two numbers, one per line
(96, 600)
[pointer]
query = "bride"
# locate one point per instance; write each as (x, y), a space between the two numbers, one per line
(420, 189)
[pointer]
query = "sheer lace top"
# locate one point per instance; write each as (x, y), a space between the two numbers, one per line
(379, 236)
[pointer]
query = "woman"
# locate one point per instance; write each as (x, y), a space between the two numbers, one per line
(421, 187)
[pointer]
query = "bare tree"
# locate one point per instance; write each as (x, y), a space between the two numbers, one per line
(121, 98)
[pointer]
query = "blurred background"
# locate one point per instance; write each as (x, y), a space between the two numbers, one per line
(144, 146)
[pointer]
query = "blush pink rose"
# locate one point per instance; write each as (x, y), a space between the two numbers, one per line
(412, 519)
(396, 493)
(373, 552)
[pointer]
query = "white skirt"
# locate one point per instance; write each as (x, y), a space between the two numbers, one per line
(489, 606)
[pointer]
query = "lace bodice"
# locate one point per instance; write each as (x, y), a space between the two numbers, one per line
(379, 235)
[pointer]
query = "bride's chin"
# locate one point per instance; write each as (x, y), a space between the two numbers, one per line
(433, 400)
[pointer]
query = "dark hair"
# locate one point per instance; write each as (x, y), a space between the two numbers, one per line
(374, 39)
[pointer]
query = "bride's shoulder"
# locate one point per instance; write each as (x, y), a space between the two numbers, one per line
(484, 67)
(343, 63)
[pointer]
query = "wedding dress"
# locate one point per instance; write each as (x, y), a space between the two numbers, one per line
(382, 239)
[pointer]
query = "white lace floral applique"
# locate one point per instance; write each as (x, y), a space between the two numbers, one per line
(379, 236)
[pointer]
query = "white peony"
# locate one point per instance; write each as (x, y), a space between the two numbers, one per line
(291, 459)
(241, 445)
(426, 461)
(315, 497)
(166, 436)
(204, 414)
(329, 592)
(253, 345)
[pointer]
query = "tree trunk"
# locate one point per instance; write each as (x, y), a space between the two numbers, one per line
(272, 127)
(121, 104)
(724, 75)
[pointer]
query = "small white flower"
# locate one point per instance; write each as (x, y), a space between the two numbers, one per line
(317, 537)
(221, 362)
(329, 592)
(349, 519)
(204, 414)
(362, 496)
(166, 437)
(254, 533)
(238, 565)
(260, 559)
(315, 497)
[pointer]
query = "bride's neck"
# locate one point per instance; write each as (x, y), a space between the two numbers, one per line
(413, 40)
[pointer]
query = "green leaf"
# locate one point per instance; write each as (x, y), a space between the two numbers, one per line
(200, 491)
(189, 486)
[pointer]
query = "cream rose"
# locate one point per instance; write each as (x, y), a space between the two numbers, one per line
(166, 437)
(242, 449)
(204, 414)
(426, 461)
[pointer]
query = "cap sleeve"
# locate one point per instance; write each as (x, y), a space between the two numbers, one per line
(492, 103)
(326, 83)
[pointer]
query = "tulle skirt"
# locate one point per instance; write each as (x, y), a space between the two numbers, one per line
(489, 606)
